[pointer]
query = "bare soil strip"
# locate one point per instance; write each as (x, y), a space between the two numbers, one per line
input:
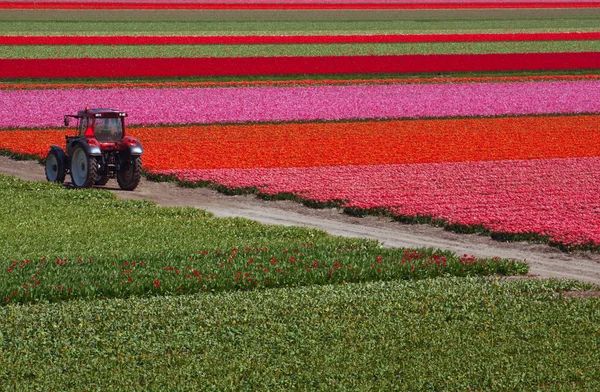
(544, 260)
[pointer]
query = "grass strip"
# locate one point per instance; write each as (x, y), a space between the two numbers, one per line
(257, 26)
(133, 248)
(300, 39)
(468, 16)
(290, 50)
(437, 334)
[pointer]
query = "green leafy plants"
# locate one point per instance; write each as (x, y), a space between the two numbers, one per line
(448, 334)
(66, 244)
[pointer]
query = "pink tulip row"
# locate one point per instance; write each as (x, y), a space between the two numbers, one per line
(309, 1)
(44, 108)
(558, 198)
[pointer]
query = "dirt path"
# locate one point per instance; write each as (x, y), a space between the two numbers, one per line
(545, 261)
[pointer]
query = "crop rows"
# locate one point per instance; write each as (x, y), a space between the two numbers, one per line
(346, 143)
(305, 65)
(292, 50)
(307, 123)
(403, 167)
(446, 334)
(310, 127)
(184, 251)
(297, 23)
(476, 116)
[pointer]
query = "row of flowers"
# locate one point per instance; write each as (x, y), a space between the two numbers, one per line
(555, 198)
(217, 270)
(356, 2)
(275, 104)
(254, 146)
(303, 65)
(292, 39)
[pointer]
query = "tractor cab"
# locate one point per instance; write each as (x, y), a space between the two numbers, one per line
(104, 125)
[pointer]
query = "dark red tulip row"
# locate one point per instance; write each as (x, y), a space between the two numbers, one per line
(175, 67)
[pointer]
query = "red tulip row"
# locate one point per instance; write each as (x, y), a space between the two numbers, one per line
(291, 39)
(180, 67)
(521, 199)
(293, 6)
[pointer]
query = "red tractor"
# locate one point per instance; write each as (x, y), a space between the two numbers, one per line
(100, 151)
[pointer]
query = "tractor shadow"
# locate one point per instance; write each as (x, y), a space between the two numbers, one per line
(108, 187)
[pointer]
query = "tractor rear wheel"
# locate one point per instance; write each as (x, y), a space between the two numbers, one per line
(55, 166)
(130, 174)
(84, 169)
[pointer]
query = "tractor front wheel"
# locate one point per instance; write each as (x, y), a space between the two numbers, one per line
(84, 169)
(130, 174)
(55, 166)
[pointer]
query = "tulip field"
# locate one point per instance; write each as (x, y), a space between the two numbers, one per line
(418, 114)
(412, 109)
(478, 116)
(415, 150)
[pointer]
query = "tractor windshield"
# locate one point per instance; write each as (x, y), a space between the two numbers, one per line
(108, 129)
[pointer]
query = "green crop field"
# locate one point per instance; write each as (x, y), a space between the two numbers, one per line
(67, 253)
(131, 22)
(450, 334)
(167, 51)
(63, 244)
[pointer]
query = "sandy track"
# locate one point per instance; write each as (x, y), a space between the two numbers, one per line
(544, 260)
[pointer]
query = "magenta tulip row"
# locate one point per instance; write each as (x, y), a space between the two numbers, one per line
(311, 1)
(44, 108)
(558, 198)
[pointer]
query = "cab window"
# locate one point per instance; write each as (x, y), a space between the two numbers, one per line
(108, 129)
(83, 124)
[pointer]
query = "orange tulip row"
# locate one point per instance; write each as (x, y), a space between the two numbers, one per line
(347, 143)
(369, 143)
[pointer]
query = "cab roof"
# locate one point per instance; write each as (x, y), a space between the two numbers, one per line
(100, 112)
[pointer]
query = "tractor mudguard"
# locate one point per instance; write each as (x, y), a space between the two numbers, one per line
(60, 153)
(56, 164)
(130, 147)
(135, 150)
(92, 150)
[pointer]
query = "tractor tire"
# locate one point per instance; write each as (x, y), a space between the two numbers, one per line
(101, 180)
(84, 169)
(55, 166)
(130, 174)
